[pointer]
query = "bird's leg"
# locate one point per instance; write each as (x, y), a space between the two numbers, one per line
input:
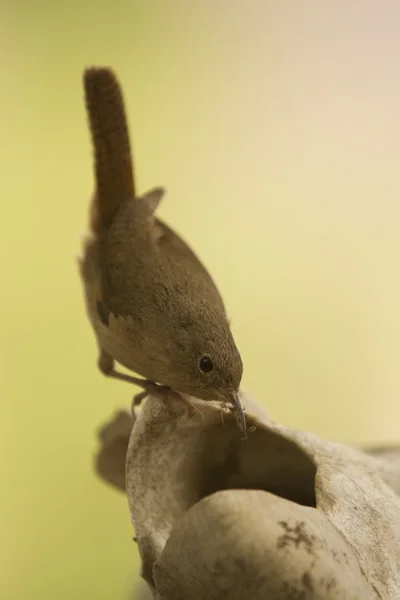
(149, 388)
(138, 398)
(106, 366)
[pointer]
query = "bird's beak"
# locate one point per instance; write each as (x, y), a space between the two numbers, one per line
(238, 410)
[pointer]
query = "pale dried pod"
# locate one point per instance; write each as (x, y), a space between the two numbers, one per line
(281, 515)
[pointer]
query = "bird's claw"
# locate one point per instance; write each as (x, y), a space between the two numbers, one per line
(149, 388)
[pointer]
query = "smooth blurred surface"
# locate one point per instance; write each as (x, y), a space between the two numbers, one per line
(276, 129)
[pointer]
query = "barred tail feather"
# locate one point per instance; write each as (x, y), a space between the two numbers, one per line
(113, 167)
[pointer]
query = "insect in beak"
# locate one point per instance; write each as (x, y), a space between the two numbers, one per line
(238, 410)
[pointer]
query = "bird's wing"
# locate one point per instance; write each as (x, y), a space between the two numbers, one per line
(184, 263)
(143, 253)
(127, 264)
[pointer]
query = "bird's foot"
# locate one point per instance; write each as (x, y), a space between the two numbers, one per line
(149, 388)
(106, 366)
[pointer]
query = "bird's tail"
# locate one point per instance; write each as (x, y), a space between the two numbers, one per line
(112, 153)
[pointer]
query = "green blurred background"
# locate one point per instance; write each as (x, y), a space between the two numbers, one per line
(275, 128)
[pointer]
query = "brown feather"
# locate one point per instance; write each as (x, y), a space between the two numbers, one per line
(112, 151)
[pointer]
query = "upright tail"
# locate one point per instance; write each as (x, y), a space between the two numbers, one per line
(110, 137)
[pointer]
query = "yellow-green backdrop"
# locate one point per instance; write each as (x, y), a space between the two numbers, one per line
(275, 127)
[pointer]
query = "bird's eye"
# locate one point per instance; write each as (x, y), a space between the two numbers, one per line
(206, 364)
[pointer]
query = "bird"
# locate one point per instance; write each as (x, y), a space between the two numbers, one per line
(153, 306)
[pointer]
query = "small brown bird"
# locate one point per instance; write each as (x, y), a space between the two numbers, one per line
(153, 306)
